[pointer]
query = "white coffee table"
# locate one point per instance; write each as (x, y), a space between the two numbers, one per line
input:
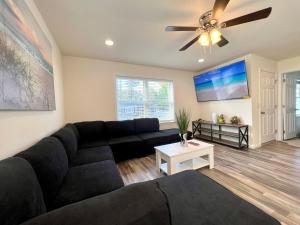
(179, 158)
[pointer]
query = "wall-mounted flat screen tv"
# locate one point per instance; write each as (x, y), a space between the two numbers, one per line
(228, 82)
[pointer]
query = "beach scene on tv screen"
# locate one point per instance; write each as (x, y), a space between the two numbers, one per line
(229, 82)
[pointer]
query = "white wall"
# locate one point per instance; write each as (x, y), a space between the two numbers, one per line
(90, 88)
(258, 64)
(19, 130)
(238, 107)
(246, 109)
(90, 91)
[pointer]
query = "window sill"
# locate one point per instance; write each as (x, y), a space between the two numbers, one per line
(166, 122)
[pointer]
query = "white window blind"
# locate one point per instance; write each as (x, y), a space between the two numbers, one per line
(143, 98)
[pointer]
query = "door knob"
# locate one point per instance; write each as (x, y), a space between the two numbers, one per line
(263, 113)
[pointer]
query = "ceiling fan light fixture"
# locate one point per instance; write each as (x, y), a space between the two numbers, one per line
(215, 36)
(213, 22)
(204, 39)
(210, 26)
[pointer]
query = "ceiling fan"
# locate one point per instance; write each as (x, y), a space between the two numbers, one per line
(210, 26)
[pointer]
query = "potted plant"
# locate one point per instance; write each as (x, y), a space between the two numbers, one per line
(183, 118)
(221, 118)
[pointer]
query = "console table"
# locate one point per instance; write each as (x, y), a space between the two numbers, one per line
(233, 135)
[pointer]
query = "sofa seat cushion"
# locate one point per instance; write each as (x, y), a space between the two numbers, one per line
(203, 201)
(88, 180)
(49, 160)
(124, 140)
(173, 134)
(146, 125)
(126, 147)
(136, 204)
(21, 197)
(91, 155)
(155, 138)
(92, 144)
(69, 140)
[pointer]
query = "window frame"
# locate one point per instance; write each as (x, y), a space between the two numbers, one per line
(145, 79)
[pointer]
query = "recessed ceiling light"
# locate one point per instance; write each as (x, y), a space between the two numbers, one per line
(109, 42)
(201, 60)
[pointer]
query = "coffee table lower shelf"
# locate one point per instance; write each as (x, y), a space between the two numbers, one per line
(192, 164)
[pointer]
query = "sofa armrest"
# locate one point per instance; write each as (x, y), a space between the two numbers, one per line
(141, 203)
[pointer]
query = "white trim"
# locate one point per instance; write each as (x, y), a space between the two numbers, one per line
(254, 146)
(141, 78)
(283, 100)
(167, 122)
(259, 108)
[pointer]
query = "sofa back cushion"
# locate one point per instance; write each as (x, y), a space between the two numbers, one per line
(146, 125)
(74, 129)
(69, 140)
(49, 160)
(21, 197)
(120, 128)
(91, 130)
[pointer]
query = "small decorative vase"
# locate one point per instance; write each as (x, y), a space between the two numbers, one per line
(214, 117)
(183, 138)
(185, 143)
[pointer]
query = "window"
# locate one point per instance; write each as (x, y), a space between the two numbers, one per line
(143, 98)
(298, 98)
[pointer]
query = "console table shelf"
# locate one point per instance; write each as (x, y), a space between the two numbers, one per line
(237, 135)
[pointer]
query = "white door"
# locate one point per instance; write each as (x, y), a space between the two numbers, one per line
(289, 107)
(268, 106)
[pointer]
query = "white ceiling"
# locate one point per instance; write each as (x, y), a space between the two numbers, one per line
(137, 28)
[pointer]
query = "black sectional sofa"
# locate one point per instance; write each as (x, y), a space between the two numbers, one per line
(63, 183)
(78, 161)
(71, 178)
(127, 139)
(187, 198)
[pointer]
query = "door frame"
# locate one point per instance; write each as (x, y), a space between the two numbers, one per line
(280, 103)
(283, 102)
(276, 105)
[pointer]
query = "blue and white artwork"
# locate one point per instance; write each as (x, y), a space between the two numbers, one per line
(26, 72)
(228, 82)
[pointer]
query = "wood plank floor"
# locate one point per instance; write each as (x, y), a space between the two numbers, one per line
(268, 177)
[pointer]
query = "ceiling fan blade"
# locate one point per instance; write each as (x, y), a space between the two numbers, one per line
(219, 8)
(189, 44)
(179, 28)
(262, 14)
(223, 42)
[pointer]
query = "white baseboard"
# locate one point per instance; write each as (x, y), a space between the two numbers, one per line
(254, 146)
